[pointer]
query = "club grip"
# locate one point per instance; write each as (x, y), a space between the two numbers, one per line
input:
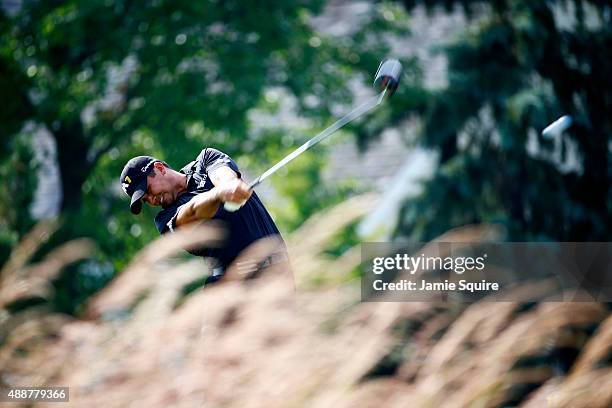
(232, 207)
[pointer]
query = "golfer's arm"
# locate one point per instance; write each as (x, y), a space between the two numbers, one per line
(205, 205)
(222, 175)
(201, 207)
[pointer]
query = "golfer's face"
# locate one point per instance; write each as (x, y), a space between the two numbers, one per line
(159, 191)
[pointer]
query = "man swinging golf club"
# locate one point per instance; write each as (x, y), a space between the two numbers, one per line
(196, 192)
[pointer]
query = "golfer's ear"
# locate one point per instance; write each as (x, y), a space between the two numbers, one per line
(160, 167)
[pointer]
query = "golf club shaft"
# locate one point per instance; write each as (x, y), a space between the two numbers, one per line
(349, 117)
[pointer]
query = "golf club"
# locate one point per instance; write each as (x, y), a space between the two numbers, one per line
(386, 81)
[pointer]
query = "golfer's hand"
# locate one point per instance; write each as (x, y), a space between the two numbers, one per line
(234, 191)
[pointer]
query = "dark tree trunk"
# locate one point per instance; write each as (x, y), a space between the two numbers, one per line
(72, 148)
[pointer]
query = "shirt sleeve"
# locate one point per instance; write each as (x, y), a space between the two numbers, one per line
(211, 159)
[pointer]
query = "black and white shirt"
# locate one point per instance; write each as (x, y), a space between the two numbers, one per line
(248, 224)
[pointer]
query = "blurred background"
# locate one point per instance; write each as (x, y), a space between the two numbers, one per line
(86, 85)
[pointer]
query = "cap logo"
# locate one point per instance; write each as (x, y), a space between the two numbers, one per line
(126, 183)
(146, 168)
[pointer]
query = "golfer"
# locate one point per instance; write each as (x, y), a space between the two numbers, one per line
(196, 193)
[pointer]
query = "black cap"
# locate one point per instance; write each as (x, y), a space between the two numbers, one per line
(134, 180)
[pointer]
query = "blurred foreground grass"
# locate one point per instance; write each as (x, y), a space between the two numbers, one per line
(294, 338)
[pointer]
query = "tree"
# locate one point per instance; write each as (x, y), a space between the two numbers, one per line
(113, 79)
(517, 67)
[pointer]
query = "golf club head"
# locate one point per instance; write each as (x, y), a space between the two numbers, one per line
(388, 76)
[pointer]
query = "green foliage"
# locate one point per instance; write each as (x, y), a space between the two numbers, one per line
(14, 221)
(344, 240)
(111, 79)
(517, 67)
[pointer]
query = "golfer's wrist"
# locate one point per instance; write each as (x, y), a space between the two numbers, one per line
(217, 195)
